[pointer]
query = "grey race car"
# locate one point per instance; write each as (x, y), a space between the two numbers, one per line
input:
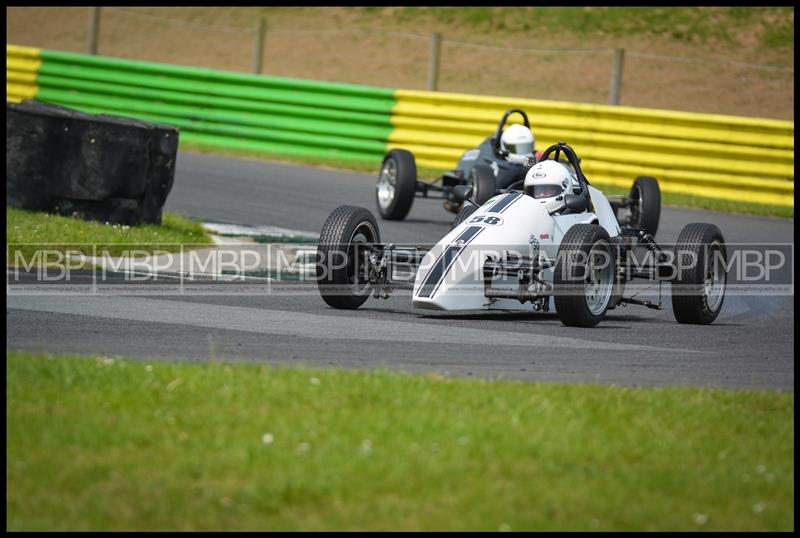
(485, 168)
(488, 171)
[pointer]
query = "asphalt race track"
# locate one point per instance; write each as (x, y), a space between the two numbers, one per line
(750, 345)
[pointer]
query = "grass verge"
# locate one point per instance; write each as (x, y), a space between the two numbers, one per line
(107, 443)
(368, 167)
(770, 28)
(29, 231)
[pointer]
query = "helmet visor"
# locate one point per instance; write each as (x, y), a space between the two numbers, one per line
(545, 191)
(521, 148)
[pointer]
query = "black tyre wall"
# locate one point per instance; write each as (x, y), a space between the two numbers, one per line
(100, 167)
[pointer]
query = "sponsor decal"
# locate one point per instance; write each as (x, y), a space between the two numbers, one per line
(544, 236)
(534, 246)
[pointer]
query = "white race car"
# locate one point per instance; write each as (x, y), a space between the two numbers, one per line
(555, 243)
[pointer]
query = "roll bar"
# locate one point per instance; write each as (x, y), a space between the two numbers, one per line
(572, 158)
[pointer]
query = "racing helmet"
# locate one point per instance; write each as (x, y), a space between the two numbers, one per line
(548, 181)
(518, 142)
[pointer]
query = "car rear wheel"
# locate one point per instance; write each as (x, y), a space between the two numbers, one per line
(397, 183)
(698, 289)
(584, 276)
(342, 256)
(645, 204)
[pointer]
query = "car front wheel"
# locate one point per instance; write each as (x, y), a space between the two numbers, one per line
(584, 276)
(397, 183)
(342, 265)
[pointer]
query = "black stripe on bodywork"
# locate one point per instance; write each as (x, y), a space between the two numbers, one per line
(504, 202)
(443, 263)
(468, 235)
(438, 270)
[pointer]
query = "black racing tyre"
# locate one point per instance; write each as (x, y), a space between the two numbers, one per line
(585, 272)
(484, 184)
(466, 210)
(397, 183)
(646, 208)
(340, 263)
(698, 289)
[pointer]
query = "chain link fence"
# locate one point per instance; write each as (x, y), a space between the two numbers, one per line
(410, 60)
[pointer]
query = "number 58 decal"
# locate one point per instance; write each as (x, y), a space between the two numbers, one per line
(489, 220)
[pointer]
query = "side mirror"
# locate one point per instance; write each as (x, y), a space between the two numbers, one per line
(576, 202)
(462, 193)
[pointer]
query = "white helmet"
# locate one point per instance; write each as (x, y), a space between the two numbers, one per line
(548, 181)
(518, 141)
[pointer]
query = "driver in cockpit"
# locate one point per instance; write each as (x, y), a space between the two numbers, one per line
(548, 181)
(516, 143)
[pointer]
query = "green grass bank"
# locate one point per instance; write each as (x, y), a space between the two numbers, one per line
(29, 231)
(108, 443)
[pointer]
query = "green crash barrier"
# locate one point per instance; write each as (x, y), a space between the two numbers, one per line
(707, 155)
(213, 107)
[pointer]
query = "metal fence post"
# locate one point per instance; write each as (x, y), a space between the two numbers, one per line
(433, 62)
(616, 77)
(258, 46)
(94, 29)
